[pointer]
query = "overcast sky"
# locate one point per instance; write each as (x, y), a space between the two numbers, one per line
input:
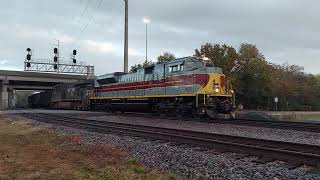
(284, 30)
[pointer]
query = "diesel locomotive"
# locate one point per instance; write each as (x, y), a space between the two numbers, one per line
(185, 86)
(182, 87)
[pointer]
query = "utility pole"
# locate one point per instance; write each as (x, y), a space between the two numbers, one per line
(126, 38)
(146, 21)
(146, 43)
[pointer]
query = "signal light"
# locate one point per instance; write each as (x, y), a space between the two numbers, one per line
(74, 61)
(55, 59)
(29, 54)
(55, 50)
(74, 52)
(55, 66)
(28, 65)
(28, 57)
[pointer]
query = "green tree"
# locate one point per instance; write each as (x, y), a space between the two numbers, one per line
(165, 57)
(251, 77)
(248, 53)
(222, 56)
(135, 67)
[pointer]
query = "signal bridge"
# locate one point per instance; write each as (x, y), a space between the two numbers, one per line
(58, 65)
(62, 66)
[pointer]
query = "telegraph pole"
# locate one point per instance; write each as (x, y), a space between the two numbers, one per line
(126, 38)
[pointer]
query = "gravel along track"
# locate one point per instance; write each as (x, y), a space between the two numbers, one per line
(205, 135)
(217, 128)
(267, 123)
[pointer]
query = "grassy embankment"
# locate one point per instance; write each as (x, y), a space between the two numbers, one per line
(32, 153)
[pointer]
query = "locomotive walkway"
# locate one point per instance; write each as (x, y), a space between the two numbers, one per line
(267, 150)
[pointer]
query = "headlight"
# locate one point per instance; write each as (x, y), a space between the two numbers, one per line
(216, 90)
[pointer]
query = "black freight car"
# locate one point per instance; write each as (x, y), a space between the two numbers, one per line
(40, 100)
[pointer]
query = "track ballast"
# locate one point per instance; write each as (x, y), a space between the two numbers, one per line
(292, 153)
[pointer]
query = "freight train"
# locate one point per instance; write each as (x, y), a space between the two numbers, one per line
(182, 87)
(40, 100)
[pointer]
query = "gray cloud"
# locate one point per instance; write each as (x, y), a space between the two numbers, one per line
(284, 30)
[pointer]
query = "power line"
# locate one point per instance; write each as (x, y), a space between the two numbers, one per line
(91, 18)
(88, 23)
(77, 18)
(85, 9)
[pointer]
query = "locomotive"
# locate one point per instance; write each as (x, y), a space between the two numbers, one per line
(72, 95)
(40, 100)
(182, 87)
(185, 86)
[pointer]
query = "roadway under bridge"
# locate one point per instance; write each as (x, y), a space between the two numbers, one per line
(22, 80)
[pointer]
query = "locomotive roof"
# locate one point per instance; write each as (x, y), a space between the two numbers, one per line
(110, 75)
(176, 61)
(113, 77)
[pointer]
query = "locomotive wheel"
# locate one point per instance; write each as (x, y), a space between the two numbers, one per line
(212, 114)
(170, 113)
(232, 115)
(195, 115)
(179, 113)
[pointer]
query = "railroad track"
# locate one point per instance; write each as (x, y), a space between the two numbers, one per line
(297, 126)
(293, 153)
(290, 125)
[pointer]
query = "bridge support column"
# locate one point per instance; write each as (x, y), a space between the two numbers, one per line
(4, 98)
(10, 99)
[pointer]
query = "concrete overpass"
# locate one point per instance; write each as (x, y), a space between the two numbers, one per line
(22, 80)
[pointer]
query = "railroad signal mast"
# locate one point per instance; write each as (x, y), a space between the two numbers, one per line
(56, 59)
(57, 65)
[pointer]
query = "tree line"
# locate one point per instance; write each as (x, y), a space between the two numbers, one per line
(258, 82)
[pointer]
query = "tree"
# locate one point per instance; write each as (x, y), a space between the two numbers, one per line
(165, 57)
(135, 67)
(222, 56)
(253, 77)
(248, 53)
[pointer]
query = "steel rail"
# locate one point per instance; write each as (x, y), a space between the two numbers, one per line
(289, 125)
(274, 150)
